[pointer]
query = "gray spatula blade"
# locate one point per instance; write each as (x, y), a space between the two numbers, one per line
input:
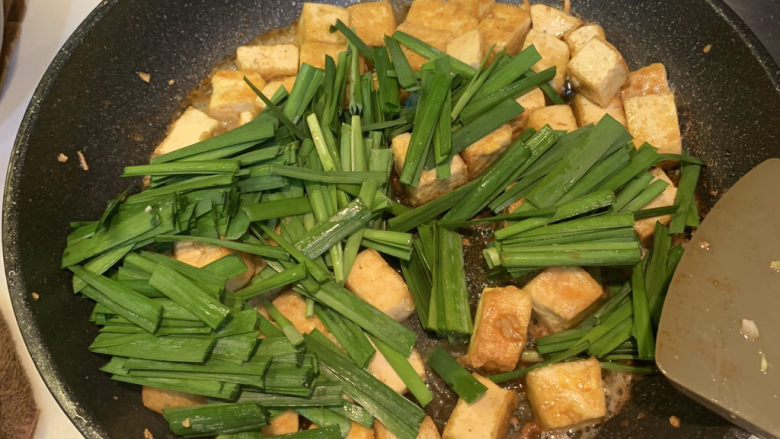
(727, 275)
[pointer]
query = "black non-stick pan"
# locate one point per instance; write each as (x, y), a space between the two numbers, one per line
(91, 99)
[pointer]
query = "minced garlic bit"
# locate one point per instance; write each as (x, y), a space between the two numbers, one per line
(35, 295)
(707, 48)
(148, 434)
(82, 161)
(674, 421)
(764, 363)
(171, 81)
(186, 423)
(145, 77)
(749, 329)
(148, 209)
(704, 244)
(775, 265)
(62, 158)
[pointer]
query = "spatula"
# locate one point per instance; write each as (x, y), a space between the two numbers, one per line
(726, 287)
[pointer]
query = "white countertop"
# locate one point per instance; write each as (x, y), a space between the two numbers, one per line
(46, 26)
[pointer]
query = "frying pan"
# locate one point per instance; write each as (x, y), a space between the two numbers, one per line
(92, 100)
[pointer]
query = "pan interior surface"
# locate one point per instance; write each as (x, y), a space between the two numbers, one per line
(92, 100)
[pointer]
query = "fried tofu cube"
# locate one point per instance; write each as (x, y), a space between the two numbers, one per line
(559, 117)
(191, 127)
(554, 52)
(653, 119)
(500, 329)
(270, 61)
(372, 21)
(429, 187)
(469, 48)
(598, 71)
(486, 418)
(357, 431)
(563, 296)
(477, 8)
(284, 423)
(200, 255)
(441, 15)
(292, 306)
(384, 372)
(531, 101)
(553, 21)
(482, 153)
(316, 20)
(376, 282)
(272, 87)
(231, 96)
(646, 226)
(649, 80)
(313, 52)
(566, 395)
(437, 38)
(586, 112)
(579, 37)
(427, 430)
(158, 400)
(505, 26)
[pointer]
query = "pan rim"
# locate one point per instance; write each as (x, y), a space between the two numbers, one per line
(10, 221)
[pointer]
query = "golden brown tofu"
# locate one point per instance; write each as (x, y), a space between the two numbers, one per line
(284, 423)
(559, 117)
(231, 96)
(313, 52)
(384, 372)
(200, 255)
(482, 153)
(437, 38)
(653, 119)
(469, 48)
(533, 100)
(375, 281)
(500, 329)
(580, 36)
(486, 418)
(315, 22)
(646, 226)
(553, 21)
(563, 296)
(270, 89)
(566, 395)
(372, 21)
(505, 26)
(191, 127)
(429, 187)
(427, 430)
(442, 15)
(357, 431)
(515, 205)
(477, 8)
(598, 71)
(554, 52)
(270, 61)
(158, 400)
(649, 80)
(586, 112)
(292, 306)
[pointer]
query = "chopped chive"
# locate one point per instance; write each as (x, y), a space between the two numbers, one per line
(449, 311)
(211, 419)
(687, 213)
(353, 39)
(631, 190)
(477, 107)
(348, 334)
(188, 295)
(353, 82)
(278, 280)
(288, 329)
(432, 53)
(277, 208)
(484, 124)
(403, 71)
(186, 349)
(647, 195)
(422, 214)
(253, 249)
(249, 134)
(306, 85)
(183, 168)
(554, 97)
(317, 271)
(388, 86)
(510, 71)
(475, 84)
(331, 231)
(462, 382)
(406, 372)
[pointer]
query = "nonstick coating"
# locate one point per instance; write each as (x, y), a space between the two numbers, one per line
(92, 100)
